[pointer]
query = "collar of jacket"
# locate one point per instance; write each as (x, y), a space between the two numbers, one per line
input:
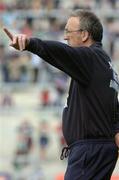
(96, 44)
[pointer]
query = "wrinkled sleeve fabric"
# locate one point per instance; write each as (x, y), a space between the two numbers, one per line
(116, 127)
(116, 124)
(76, 62)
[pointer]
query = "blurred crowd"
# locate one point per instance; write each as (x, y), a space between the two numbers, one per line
(36, 140)
(29, 137)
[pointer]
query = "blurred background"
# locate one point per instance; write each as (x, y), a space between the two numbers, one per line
(33, 93)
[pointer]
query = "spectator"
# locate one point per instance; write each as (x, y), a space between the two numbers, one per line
(4, 62)
(24, 144)
(43, 139)
(45, 97)
(7, 100)
(36, 68)
(27, 27)
(113, 3)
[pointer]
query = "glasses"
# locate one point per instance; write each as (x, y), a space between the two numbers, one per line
(66, 31)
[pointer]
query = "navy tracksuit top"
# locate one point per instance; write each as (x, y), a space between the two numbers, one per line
(92, 103)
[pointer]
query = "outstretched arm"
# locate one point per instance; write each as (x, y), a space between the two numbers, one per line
(68, 59)
(18, 41)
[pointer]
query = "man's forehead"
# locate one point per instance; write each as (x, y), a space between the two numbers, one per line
(73, 21)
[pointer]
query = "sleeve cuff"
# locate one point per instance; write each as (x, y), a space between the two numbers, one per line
(116, 127)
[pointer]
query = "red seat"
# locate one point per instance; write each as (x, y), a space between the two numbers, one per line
(115, 178)
(59, 176)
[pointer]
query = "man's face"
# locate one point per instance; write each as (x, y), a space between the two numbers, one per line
(73, 33)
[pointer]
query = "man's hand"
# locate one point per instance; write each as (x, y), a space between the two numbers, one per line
(117, 139)
(18, 41)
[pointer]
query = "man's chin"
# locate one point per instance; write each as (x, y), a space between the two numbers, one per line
(70, 44)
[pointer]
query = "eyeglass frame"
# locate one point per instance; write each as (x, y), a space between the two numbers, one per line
(66, 31)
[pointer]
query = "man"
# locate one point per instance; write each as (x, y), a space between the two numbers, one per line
(90, 119)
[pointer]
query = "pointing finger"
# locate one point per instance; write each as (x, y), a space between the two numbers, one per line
(10, 35)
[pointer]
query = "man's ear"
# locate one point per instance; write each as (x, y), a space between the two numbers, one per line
(85, 35)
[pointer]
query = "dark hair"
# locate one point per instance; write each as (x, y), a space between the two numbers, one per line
(90, 22)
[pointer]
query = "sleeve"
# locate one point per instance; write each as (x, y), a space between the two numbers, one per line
(116, 123)
(76, 62)
(116, 113)
(116, 127)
